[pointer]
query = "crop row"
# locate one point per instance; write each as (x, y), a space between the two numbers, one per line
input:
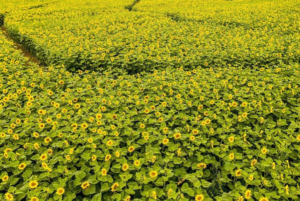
(92, 35)
(222, 133)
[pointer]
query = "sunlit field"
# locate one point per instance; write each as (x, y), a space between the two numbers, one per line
(149, 100)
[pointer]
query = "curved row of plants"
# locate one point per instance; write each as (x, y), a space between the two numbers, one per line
(206, 134)
(91, 36)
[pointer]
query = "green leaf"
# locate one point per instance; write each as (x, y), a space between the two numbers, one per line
(97, 197)
(205, 183)
(90, 190)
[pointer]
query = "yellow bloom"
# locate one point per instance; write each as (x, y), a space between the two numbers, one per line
(85, 184)
(153, 174)
(34, 199)
(201, 165)
(165, 141)
(177, 136)
(43, 157)
(5, 178)
(251, 177)
(264, 151)
(125, 167)
(238, 173)
(248, 194)
(42, 126)
(22, 166)
(137, 163)
(231, 156)
(60, 191)
(94, 158)
(47, 140)
(253, 162)
(109, 143)
(114, 187)
(199, 197)
(131, 149)
(107, 157)
(33, 184)
(9, 196)
(231, 139)
(103, 172)
(263, 199)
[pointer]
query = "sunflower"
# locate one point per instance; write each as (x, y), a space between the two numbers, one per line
(248, 194)
(137, 162)
(43, 157)
(238, 173)
(42, 125)
(22, 166)
(153, 174)
(231, 139)
(273, 165)
(177, 136)
(36, 135)
(199, 197)
(131, 149)
(94, 158)
(117, 154)
(9, 196)
(114, 187)
(47, 140)
(253, 162)
(109, 143)
(107, 157)
(33, 184)
(251, 177)
(60, 191)
(5, 178)
(231, 156)
(98, 116)
(165, 141)
(127, 198)
(264, 150)
(85, 184)
(201, 165)
(34, 199)
(84, 126)
(103, 172)
(263, 199)
(125, 167)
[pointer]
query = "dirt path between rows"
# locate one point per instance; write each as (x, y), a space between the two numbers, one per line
(25, 52)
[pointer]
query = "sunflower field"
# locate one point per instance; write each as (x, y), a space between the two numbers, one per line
(150, 100)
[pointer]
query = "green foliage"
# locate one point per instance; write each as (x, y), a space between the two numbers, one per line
(93, 35)
(130, 7)
(169, 135)
(1, 19)
(217, 117)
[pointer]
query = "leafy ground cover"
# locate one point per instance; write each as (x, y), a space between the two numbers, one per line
(173, 135)
(222, 132)
(93, 35)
